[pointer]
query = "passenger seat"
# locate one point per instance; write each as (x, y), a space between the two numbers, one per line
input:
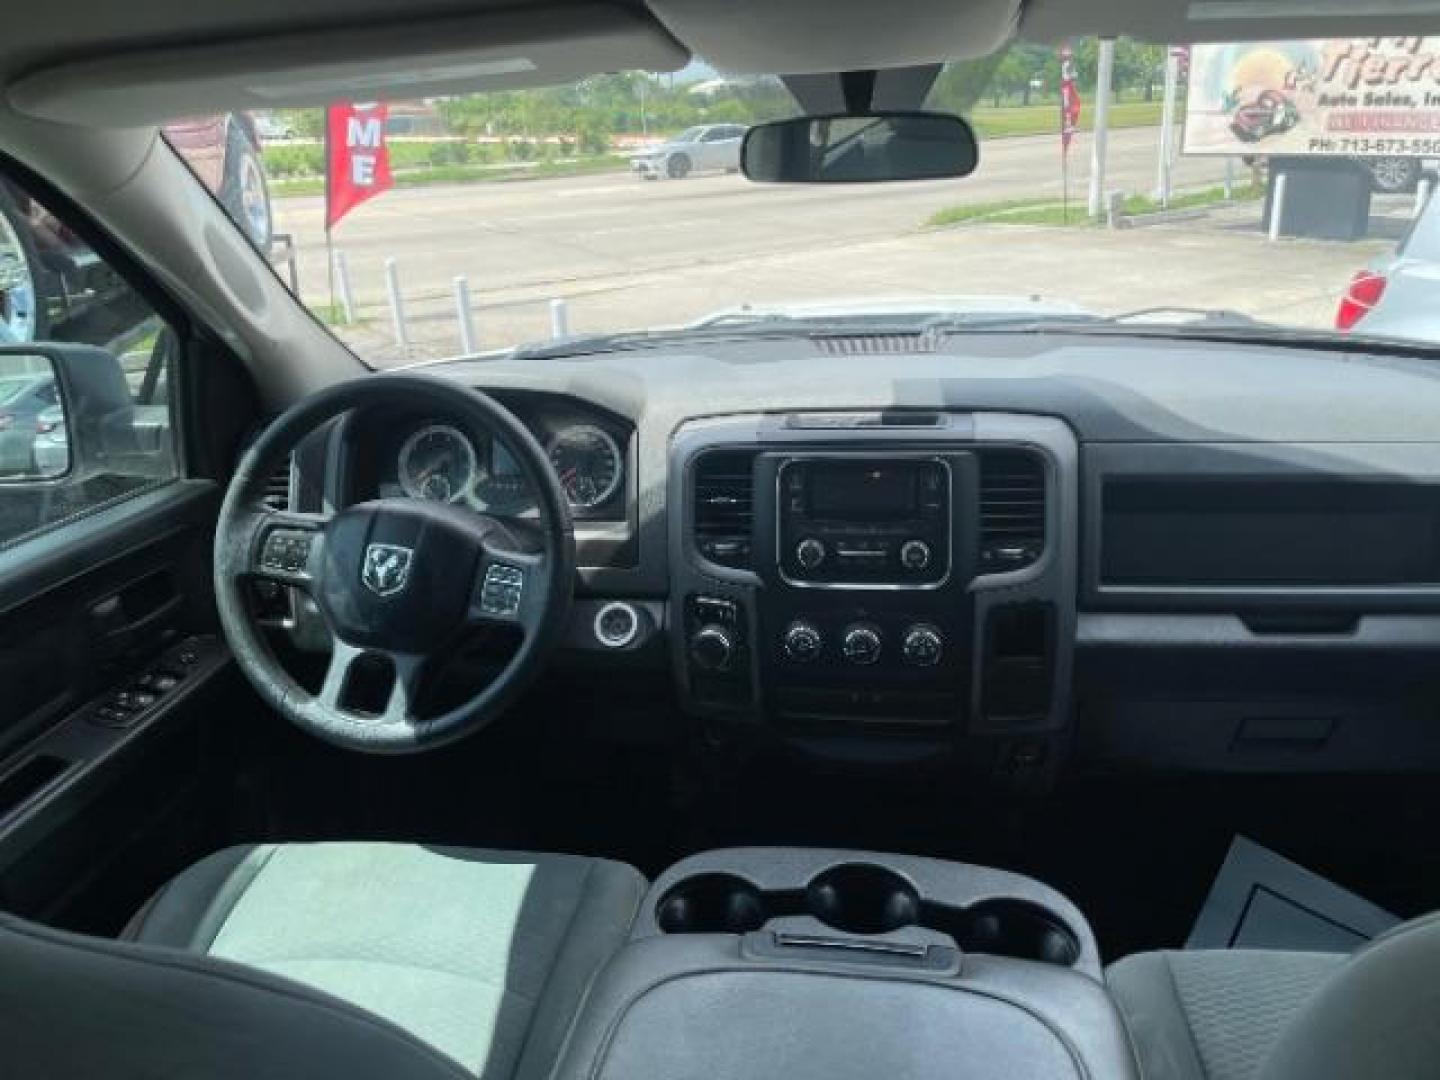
(1263, 1015)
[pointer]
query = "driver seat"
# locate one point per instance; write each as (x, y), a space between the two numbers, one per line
(335, 959)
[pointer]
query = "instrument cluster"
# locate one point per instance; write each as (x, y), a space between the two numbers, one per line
(437, 460)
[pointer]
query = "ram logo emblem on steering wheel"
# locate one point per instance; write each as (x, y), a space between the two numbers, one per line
(386, 568)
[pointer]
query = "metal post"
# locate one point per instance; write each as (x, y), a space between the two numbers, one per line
(463, 315)
(1100, 137)
(397, 304)
(1229, 178)
(1277, 204)
(342, 282)
(559, 319)
(1422, 193)
(1114, 209)
(1167, 128)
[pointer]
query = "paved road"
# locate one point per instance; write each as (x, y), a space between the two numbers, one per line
(624, 252)
(569, 232)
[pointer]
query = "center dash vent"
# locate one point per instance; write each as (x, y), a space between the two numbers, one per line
(277, 487)
(724, 509)
(874, 344)
(1012, 509)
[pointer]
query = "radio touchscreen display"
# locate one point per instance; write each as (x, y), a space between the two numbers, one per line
(863, 491)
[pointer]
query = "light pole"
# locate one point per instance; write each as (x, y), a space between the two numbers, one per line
(1104, 75)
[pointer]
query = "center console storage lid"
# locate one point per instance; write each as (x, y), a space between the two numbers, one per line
(703, 1007)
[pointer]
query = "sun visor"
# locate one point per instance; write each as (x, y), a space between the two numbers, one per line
(809, 36)
(417, 58)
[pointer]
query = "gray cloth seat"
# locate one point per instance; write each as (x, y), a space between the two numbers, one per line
(1263, 1015)
(1212, 1015)
(455, 962)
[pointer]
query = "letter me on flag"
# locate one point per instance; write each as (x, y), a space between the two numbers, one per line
(357, 161)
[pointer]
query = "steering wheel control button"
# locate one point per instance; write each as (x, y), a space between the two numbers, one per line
(802, 642)
(616, 625)
(500, 594)
(809, 553)
(286, 550)
(915, 555)
(861, 644)
(712, 648)
(922, 646)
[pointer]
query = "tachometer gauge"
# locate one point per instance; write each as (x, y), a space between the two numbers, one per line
(589, 465)
(437, 463)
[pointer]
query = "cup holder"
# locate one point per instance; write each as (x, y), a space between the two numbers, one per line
(862, 898)
(859, 898)
(1017, 929)
(711, 904)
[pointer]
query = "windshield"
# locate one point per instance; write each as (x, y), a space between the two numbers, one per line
(1249, 186)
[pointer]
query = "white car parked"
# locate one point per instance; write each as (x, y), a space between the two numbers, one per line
(707, 146)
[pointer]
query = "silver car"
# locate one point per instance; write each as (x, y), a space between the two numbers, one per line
(707, 146)
(1399, 294)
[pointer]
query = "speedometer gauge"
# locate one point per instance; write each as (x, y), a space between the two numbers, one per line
(588, 463)
(437, 463)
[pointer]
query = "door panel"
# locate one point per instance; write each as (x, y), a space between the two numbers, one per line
(110, 670)
(86, 806)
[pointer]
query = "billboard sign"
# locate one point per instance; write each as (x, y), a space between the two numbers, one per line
(1360, 97)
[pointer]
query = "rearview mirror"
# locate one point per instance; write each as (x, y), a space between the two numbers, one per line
(862, 148)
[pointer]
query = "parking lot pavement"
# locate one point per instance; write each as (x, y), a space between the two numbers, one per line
(626, 253)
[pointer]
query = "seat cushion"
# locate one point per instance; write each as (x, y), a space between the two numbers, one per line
(485, 955)
(1212, 1015)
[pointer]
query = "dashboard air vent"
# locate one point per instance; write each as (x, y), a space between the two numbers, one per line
(724, 507)
(277, 487)
(1012, 509)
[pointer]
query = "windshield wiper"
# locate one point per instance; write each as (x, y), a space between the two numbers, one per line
(1200, 318)
(616, 342)
(728, 327)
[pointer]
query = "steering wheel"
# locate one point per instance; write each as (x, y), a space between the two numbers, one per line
(396, 581)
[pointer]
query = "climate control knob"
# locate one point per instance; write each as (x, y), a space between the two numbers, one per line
(915, 555)
(712, 648)
(802, 642)
(861, 644)
(922, 646)
(809, 553)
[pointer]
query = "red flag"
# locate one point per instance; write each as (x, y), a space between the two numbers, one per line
(357, 162)
(1069, 99)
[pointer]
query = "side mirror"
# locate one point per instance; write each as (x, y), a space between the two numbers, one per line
(863, 148)
(69, 411)
(34, 436)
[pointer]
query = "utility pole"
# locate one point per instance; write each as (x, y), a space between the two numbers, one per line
(1167, 127)
(1100, 137)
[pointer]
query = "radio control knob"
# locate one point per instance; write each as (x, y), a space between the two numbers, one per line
(802, 642)
(809, 553)
(712, 648)
(861, 644)
(915, 555)
(923, 646)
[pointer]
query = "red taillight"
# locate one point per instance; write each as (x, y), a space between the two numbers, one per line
(44, 427)
(6, 419)
(1364, 293)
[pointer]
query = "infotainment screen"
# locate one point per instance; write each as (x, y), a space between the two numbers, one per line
(856, 491)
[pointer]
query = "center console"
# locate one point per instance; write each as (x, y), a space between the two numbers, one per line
(759, 962)
(896, 575)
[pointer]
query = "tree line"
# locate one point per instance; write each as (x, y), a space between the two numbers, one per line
(591, 112)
